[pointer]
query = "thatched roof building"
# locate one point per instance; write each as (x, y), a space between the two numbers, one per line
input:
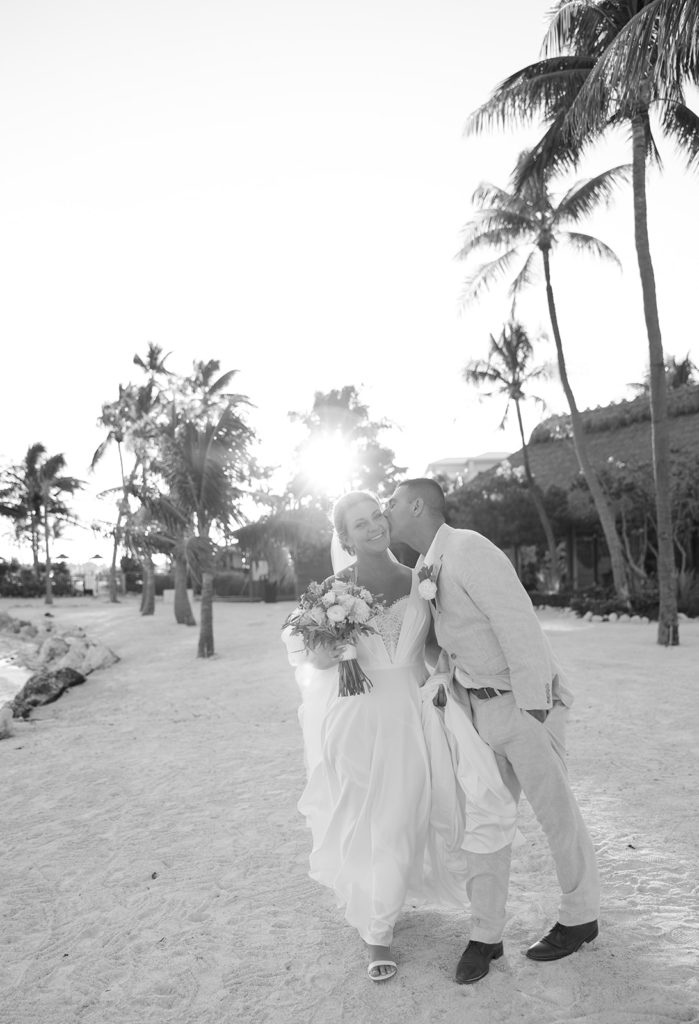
(621, 431)
(618, 434)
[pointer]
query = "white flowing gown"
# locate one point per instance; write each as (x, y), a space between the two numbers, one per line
(397, 790)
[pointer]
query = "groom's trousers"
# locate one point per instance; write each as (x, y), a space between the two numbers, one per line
(531, 759)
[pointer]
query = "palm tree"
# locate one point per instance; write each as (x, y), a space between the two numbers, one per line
(122, 418)
(52, 486)
(508, 369)
(129, 424)
(153, 363)
(203, 462)
(529, 225)
(679, 372)
(613, 61)
(32, 495)
(161, 526)
(20, 493)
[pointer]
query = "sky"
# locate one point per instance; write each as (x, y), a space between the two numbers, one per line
(282, 187)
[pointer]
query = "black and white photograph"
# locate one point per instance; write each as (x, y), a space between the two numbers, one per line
(349, 512)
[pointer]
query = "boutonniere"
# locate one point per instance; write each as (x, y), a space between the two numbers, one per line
(427, 582)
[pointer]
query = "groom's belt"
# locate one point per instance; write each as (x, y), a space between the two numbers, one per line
(482, 692)
(486, 692)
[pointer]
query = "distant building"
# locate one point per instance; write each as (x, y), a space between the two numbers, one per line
(460, 470)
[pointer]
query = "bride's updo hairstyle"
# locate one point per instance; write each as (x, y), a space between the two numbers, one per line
(340, 510)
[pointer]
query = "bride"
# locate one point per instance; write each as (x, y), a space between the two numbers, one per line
(397, 788)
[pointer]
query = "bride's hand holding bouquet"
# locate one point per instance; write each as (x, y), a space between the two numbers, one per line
(330, 618)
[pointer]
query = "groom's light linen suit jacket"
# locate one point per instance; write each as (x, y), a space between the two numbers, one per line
(486, 624)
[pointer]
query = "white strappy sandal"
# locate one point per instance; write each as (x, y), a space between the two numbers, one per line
(382, 963)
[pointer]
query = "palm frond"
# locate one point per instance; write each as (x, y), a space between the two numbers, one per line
(495, 239)
(110, 492)
(577, 26)
(52, 467)
(99, 451)
(585, 196)
(678, 42)
(483, 371)
(34, 453)
(218, 385)
(486, 275)
(590, 245)
(67, 484)
(154, 361)
(527, 275)
(497, 219)
(498, 201)
(623, 72)
(538, 90)
(681, 125)
(559, 150)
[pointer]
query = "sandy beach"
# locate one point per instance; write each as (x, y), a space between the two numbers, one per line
(153, 864)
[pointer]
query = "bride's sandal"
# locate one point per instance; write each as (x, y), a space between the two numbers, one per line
(375, 975)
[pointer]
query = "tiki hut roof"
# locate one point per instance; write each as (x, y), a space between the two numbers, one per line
(621, 431)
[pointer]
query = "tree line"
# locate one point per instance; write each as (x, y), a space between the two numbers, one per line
(187, 469)
(604, 65)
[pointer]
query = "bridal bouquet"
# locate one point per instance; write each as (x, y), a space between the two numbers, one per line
(336, 613)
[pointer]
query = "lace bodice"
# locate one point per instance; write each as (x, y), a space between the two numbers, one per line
(388, 623)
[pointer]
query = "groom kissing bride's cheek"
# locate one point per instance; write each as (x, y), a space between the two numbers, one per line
(494, 648)
(396, 755)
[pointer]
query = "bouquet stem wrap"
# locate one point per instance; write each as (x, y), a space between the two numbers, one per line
(353, 679)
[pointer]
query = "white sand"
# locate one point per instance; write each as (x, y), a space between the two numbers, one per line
(153, 864)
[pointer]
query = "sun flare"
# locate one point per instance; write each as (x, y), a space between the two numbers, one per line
(328, 464)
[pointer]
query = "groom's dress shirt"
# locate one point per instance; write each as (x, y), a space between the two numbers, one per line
(486, 624)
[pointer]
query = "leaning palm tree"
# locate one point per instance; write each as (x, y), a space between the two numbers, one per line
(529, 225)
(608, 63)
(509, 371)
(203, 464)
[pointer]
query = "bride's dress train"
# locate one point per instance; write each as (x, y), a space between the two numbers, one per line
(397, 790)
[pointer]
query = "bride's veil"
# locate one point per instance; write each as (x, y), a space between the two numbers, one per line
(341, 559)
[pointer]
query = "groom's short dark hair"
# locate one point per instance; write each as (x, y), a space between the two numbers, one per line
(429, 490)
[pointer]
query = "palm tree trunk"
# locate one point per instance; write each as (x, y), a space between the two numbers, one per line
(48, 599)
(668, 628)
(538, 499)
(606, 518)
(183, 609)
(36, 544)
(206, 626)
(148, 593)
(112, 568)
(117, 531)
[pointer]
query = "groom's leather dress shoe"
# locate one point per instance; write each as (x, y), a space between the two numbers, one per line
(475, 961)
(562, 940)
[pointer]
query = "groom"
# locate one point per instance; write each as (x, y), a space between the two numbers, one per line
(497, 651)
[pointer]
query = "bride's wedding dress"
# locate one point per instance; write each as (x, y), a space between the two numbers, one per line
(397, 789)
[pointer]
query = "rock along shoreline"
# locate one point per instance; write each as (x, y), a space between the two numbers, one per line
(56, 660)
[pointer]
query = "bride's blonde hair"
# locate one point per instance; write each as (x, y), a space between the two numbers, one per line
(340, 510)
